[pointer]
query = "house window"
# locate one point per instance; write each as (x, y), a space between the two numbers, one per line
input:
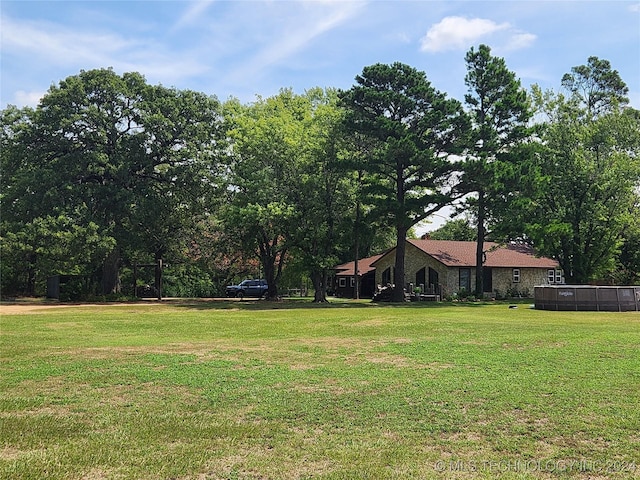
(465, 279)
(559, 276)
(516, 275)
(386, 277)
(353, 281)
(342, 282)
(551, 275)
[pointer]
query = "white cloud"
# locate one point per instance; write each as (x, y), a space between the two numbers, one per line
(57, 44)
(316, 19)
(70, 47)
(27, 99)
(454, 33)
(520, 40)
(634, 7)
(192, 14)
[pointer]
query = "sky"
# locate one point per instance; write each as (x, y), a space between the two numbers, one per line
(245, 48)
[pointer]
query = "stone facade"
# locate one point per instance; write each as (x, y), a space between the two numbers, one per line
(416, 260)
(504, 280)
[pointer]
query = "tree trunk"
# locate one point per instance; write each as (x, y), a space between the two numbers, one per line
(356, 234)
(319, 280)
(111, 273)
(272, 261)
(30, 287)
(480, 245)
(268, 264)
(401, 244)
(356, 277)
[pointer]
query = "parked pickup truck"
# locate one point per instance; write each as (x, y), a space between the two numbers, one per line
(248, 288)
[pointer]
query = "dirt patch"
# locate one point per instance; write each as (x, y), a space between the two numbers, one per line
(97, 474)
(42, 305)
(12, 454)
(31, 308)
(23, 308)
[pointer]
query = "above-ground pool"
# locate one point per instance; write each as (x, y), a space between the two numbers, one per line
(587, 297)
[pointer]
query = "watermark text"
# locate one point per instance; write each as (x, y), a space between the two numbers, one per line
(547, 466)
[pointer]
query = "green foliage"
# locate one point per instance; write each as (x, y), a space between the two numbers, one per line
(499, 105)
(189, 281)
(413, 129)
(627, 270)
(586, 200)
(267, 147)
(459, 229)
(287, 192)
(109, 171)
(596, 87)
(218, 254)
(133, 160)
(325, 193)
(49, 245)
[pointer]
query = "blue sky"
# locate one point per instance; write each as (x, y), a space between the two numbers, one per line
(248, 48)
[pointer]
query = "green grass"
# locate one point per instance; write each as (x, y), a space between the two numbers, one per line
(248, 390)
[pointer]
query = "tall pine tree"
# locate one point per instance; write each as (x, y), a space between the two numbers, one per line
(414, 129)
(500, 114)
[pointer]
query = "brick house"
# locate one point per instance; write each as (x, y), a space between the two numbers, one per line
(445, 267)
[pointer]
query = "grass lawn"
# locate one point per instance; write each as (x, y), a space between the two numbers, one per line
(248, 390)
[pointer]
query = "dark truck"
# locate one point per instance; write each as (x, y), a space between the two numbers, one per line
(248, 288)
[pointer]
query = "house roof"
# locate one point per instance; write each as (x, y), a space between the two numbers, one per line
(364, 266)
(463, 254)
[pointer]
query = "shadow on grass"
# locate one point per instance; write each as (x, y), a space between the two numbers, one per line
(303, 303)
(333, 303)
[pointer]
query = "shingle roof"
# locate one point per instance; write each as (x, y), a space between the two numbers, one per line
(463, 254)
(364, 266)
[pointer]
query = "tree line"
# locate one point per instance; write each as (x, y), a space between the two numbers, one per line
(108, 172)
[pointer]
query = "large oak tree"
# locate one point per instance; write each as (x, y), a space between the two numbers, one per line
(112, 151)
(266, 147)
